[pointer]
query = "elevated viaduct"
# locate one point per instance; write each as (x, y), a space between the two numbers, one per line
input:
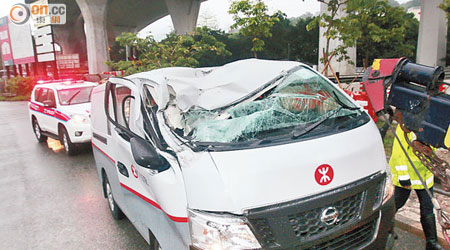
(92, 25)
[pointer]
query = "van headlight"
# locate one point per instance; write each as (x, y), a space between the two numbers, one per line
(79, 119)
(220, 232)
(385, 190)
(388, 187)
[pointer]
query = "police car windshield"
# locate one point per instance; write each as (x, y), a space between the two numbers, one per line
(75, 95)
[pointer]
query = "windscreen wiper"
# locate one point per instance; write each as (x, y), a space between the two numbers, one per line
(71, 98)
(343, 105)
(300, 130)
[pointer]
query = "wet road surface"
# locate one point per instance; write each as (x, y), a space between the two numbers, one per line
(407, 241)
(51, 201)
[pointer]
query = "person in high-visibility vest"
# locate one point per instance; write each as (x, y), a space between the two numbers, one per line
(405, 179)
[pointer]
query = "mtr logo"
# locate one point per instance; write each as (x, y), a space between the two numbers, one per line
(324, 174)
(41, 13)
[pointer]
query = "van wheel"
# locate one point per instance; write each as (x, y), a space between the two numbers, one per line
(38, 132)
(154, 244)
(64, 137)
(116, 212)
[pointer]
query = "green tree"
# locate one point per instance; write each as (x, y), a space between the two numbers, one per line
(445, 6)
(388, 49)
(304, 42)
(239, 46)
(173, 51)
(253, 21)
(278, 45)
(370, 24)
(291, 40)
(331, 22)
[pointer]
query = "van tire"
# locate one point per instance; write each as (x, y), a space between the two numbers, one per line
(116, 212)
(64, 137)
(154, 244)
(38, 132)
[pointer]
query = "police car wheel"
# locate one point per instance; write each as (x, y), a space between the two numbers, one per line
(38, 132)
(116, 212)
(69, 147)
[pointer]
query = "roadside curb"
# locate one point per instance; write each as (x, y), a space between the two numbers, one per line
(409, 226)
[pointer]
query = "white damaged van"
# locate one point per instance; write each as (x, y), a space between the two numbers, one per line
(255, 154)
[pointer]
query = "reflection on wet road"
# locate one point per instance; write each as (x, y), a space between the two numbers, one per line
(50, 200)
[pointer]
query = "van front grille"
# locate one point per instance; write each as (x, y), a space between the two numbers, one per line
(351, 240)
(307, 224)
(302, 223)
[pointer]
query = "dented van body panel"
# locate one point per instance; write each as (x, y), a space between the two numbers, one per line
(239, 152)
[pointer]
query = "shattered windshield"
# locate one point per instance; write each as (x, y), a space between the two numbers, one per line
(300, 99)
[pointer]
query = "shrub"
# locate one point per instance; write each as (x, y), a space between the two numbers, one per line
(174, 51)
(15, 98)
(20, 86)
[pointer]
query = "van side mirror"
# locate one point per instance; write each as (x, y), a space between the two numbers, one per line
(145, 155)
(49, 104)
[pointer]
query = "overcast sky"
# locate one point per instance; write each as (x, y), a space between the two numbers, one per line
(215, 11)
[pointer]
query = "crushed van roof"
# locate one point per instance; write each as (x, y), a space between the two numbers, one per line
(216, 87)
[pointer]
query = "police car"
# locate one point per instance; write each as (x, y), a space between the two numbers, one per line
(61, 110)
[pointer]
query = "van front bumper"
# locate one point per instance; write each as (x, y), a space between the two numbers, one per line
(381, 238)
(385, 238)
(362, 223)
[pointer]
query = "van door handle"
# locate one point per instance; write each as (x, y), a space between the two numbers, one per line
(122, 169)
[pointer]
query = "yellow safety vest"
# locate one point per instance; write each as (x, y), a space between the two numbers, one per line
(402, 171)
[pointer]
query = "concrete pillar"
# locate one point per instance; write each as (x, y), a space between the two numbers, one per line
(71, 37)
(432, 44)
(184, 14)
(343, 67)
(94, 14)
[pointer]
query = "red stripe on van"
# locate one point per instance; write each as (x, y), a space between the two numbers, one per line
(173, 218)
(153, 203)
(109, 157)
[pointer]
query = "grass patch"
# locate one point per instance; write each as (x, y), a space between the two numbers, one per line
(388, 140)
(15, 98)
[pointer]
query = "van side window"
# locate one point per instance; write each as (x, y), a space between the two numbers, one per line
(149, 102)
(122, 92)
(111, 112)
(150, 120)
